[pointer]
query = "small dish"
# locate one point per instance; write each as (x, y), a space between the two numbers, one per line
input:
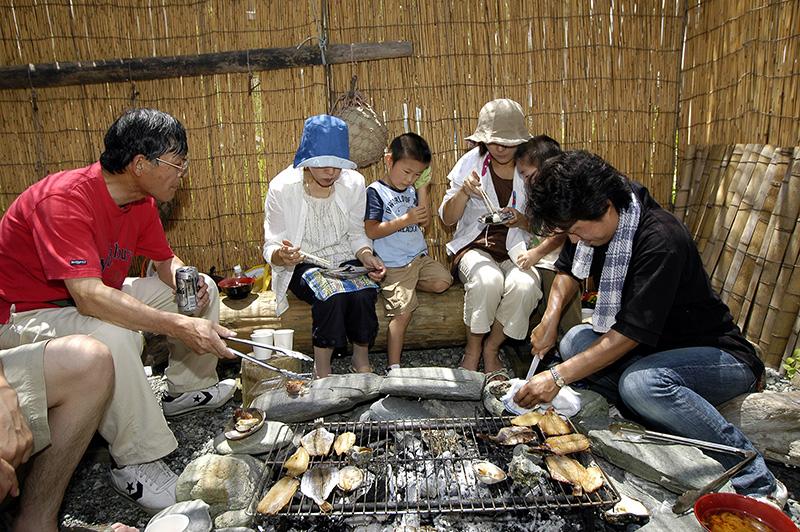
(237, 287)
(496, 218)
(245, 421)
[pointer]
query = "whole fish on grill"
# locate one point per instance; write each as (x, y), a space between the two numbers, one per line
(512, 436)
(552, 424)
(278, 496)
(567, 444)
(317, 442)
(297, 464)
(318, 483)
(344, 442)
(570, 471)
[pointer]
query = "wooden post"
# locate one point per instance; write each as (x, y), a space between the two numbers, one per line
(148, 68)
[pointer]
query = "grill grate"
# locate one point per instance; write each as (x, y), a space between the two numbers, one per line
(408, 477)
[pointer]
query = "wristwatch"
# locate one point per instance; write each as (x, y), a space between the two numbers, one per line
(559, 380)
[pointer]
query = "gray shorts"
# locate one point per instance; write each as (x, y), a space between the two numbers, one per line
(23, 367)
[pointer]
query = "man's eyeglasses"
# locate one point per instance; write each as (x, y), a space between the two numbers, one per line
(182, 169)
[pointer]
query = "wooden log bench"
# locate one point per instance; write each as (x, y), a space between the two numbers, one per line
(438, 322)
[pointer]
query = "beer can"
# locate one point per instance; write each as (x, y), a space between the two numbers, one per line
(186, 286)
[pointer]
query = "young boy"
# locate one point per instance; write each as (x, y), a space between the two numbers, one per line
(393, 219)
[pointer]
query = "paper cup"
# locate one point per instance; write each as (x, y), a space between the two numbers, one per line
(586, 314)
(283, 338)
(262, 336)
(169, 523)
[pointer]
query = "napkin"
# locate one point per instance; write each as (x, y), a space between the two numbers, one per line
(567, 402)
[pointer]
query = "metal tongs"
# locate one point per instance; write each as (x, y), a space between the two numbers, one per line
(686, 501)
(286, 352)
(285, 372)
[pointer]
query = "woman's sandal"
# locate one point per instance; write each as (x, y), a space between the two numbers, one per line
(499, 375)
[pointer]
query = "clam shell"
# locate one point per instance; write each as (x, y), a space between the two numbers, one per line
(488, 473)
(317, 442)
(297, 464)
(344, 442)
(350, 478)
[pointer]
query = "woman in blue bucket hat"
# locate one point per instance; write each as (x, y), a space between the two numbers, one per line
(314, 224)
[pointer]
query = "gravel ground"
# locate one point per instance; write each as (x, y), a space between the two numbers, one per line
(91, 503)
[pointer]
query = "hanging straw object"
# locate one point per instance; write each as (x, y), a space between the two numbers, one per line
(368, 134)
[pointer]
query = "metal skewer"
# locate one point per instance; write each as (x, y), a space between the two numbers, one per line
(284, 372)
(287, 352)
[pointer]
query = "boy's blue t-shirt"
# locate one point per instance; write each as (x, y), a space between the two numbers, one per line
(385, 203)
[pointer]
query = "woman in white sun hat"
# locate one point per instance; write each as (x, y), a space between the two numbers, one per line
(314, 210)
(499, 297)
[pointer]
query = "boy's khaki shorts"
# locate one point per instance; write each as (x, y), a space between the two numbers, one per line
(399, 287)
(23, 368)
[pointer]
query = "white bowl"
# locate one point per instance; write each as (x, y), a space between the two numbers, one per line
(169, 523)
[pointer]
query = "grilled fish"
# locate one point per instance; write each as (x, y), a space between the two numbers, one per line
(317, 442)
(318, 483)
(582, 479)
(278, 496)
(527, 420)
(513, 436)
(567, 444)
(343, 442)
(552, 424)
(297, 464)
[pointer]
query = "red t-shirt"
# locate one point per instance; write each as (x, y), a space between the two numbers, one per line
(67, 226)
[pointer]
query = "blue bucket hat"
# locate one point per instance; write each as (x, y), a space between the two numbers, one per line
(325, 143)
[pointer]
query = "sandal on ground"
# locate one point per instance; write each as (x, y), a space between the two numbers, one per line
(498, 375)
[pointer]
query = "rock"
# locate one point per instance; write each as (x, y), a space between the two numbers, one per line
(593, 413)
(234, 529)
(196, 510)
(440, 409)
(273, 435)
(336, 393)
(395, 408)
(676, 467)
(770, 420)
(434, 383)
(223, 482)
(232, 519)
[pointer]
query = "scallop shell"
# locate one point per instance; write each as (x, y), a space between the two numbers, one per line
(488, 473)
(350, 478)
(317, 442)
(343, 442)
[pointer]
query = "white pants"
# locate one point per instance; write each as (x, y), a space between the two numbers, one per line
(499, 292)
(134, 425)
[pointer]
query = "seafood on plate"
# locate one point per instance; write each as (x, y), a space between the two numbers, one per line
(278, 496)
(513, 436)
(350, 478)
(570, 471)
(552, 424)
(297, 464)
(344, 442)
(245, 421)
(318, 442)
(487, 472)
(567, 444)
(318, 483)
(528, 419)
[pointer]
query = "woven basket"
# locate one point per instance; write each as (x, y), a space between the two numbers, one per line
(368, 134)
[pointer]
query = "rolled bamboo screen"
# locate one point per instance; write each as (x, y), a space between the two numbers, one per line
(599, 75)
(741, 203)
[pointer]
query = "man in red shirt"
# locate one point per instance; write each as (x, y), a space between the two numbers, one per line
(66, 245)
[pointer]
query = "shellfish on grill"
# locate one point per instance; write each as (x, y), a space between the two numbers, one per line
(278, 496)
(488, 473)
(582, 479)
(318, 442)
(318, 483)
(528, 419)
(297, 464)
(553, 424)
(350, 478)
(359, 455)
(626, 511)
(513, 436)
(344, 442)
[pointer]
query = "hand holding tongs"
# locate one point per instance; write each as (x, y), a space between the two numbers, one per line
(285, 372)
(287, 352)
(686, 500)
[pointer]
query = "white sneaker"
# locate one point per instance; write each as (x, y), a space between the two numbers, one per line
(205, 399)
(778, 497)
(150, 485)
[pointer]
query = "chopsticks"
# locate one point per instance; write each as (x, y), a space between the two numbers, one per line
(487, 201)
(319, 260)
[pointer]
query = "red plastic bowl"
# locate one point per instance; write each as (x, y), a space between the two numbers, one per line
(767, 514)
(237, 287)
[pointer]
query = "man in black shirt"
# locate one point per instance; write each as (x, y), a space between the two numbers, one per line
(662, 345)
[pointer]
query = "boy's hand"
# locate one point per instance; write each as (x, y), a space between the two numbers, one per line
(417, 215)
(528, 259)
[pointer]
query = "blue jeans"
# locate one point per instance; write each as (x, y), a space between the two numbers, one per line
(674, 392)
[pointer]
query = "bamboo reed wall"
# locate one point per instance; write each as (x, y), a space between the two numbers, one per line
(741, 203)
(599, 75)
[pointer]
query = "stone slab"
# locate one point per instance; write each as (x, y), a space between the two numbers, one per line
(273, 435)
(434, 383)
